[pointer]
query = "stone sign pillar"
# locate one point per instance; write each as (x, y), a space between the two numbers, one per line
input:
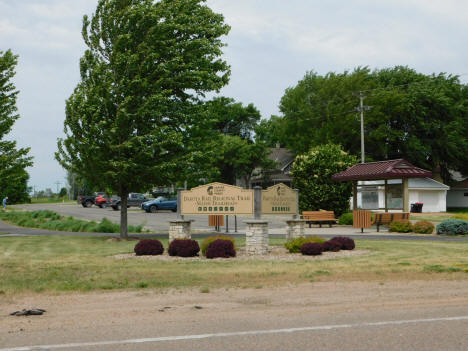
(179, 229)
(256, 237)
(296, 229)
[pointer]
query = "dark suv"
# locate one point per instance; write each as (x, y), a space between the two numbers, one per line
(134, 199)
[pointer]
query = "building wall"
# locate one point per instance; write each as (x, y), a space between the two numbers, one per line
(457, 198)
(433, 200)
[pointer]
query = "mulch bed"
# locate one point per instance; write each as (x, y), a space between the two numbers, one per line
(277, 253)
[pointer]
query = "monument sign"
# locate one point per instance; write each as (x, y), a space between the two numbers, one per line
(217, 199)
(279, 199)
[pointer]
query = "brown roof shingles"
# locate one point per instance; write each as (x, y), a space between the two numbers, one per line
(391, 169)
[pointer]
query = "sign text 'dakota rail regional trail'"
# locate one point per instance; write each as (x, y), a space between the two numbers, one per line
(217, 198)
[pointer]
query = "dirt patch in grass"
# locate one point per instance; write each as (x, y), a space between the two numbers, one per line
(276, 253)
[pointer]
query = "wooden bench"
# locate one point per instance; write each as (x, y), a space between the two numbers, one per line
(319, 217)
(387, 218)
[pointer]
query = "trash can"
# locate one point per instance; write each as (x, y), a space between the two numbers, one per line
(417, 207)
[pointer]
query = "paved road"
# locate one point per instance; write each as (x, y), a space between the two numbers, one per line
(321, 316)
(158, 224)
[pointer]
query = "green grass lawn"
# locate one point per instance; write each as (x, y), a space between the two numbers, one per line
(59, 263)
(46, 219)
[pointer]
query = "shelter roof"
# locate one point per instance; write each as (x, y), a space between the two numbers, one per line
(391, 169)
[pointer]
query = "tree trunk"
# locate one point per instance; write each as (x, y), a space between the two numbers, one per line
(123, 215)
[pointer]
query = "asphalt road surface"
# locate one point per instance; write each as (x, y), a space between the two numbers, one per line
(319, 316)
(158, 223)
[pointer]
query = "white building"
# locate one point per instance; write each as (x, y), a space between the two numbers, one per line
(458, 195)
(431, 193)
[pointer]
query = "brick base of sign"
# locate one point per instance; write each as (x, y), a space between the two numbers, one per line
(179, 230)
(296, 228)
(256, 237)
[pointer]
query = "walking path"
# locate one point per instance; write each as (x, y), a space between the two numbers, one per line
(8, 230)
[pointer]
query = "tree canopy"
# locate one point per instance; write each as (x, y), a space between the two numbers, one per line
(135, 117)
(312, 173)
(423, 118)
(13, 161)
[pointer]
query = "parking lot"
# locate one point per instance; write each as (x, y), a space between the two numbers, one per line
(156, 222)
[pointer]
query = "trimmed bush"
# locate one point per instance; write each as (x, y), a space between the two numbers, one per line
(400, 227)
(148, 247)
(346, 219)
(346, 243)
(453, 227)
(423, 227)
(183, 248)
(294, 245)
(205, 243)
(312, 249)
(221, 248)
(332, 245)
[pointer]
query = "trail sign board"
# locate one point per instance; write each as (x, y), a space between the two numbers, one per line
(279, 199)
(217, 199)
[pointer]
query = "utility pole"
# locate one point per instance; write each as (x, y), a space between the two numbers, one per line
(361, 109)
(58, 184)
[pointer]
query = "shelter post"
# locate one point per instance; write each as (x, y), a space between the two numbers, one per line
(355, 195)
(405, 195)
(386, 195)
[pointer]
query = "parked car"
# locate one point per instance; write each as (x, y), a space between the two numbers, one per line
(160, 203)
(134, 199)
(89, 200)
(101, 201)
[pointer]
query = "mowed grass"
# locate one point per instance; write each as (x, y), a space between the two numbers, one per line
(46, 219)
(59, 263)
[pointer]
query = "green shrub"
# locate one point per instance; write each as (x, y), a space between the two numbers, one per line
(312, 172)
(423, 227)
(453, 227)
(107, 226)
(205, 243)
(346, 219)
(294, 245)
(400, 227)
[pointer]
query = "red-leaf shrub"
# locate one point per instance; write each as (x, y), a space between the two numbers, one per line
(221, 248)
(312, 249)
(183, 248)
(148, 247)
(332, 245)
(346, 243)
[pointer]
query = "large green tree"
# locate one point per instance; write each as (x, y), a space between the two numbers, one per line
(423, 118)
(239, 159)
(232, 118)
(13, 160)
(312, 173)
(134, 119)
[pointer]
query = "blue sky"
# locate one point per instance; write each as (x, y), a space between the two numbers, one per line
(272, 44)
